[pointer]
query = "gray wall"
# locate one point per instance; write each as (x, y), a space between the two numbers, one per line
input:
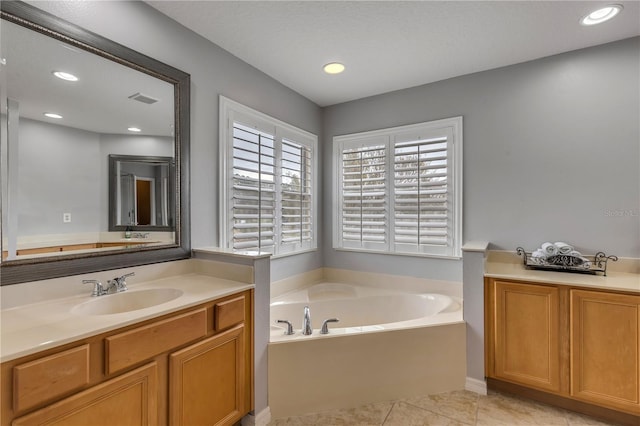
(66, 170)
(58, 173)
(551, 152)
(213, 72)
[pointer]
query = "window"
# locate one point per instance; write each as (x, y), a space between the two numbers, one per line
(399, 190)
(268, 182)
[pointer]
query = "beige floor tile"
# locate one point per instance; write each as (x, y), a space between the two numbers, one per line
(404, 414)
(575, 419)
(366, 415)
(289, 421)
(497, 409)
(458, 405)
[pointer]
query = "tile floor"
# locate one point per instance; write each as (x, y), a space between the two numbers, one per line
(457, 408)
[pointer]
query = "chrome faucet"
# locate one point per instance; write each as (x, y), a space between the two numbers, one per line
(306, 322)
(119, 284)
(98, 290)
(289, 331)
(325, 325)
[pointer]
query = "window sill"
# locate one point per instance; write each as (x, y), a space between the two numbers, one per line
(386, 253)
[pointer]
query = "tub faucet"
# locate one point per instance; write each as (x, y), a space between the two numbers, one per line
(289, 331)
(307, 330)
(325, 325)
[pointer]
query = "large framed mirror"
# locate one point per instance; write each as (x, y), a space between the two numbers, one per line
(78, 112)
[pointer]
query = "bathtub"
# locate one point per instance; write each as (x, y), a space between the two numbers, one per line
(388, 344)
(360, 309)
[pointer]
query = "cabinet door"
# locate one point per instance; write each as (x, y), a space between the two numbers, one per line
(526, 329)
(129, 399)
(605, 349)
(206, 381)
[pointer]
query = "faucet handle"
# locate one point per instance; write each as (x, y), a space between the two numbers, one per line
(121, 281)
(325, 325)
(97, 287)
(289, 326)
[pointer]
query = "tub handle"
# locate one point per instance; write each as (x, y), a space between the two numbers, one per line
(289, 326)
(325, 325)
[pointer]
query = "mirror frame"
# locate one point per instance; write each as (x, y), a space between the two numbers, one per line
(113, 194)
(41, 268)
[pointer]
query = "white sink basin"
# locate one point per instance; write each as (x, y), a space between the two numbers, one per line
(126, 301)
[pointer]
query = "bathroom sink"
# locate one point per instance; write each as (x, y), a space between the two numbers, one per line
(126, 301)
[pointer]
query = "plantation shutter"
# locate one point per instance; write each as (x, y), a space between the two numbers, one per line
(295, 196)
(422, 219)
(399, 190)
(364, 199)
(253, 200)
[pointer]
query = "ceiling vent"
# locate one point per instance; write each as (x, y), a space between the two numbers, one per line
(145, 99)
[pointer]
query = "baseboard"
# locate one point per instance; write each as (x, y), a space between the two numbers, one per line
(261, 419)
(475, 385)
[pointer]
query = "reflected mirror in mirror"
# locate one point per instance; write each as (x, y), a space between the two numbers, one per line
(73, 102)
(141, 193)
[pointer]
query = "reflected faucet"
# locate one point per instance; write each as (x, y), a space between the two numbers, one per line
(306, 322)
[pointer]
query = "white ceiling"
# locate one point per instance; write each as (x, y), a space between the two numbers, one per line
(98, 102)
(391, 45)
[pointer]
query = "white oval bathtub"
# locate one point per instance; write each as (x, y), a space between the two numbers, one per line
(360, 309)
(388, 345)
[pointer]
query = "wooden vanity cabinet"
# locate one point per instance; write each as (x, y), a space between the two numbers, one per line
(564, 345)
(190, 367)
(605, 349)
(527, 341)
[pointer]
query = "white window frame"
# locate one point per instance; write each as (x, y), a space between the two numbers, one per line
(452, 128)
(232, 111)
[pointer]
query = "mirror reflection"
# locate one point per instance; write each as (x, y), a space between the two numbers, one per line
(141, 189)
(67, 113)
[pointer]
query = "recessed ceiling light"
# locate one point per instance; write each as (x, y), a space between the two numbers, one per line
(601, 15)
(333, 68)
(65, 76)
(52, 115)
(134, 129)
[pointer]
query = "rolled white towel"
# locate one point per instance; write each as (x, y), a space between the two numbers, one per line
(549, 249)
(575, 253)
(563, 248)
(539, 254)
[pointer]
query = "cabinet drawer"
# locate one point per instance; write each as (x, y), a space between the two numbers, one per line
(229, 313)
(49, 377)
(137, 345)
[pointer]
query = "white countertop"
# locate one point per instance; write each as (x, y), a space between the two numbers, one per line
(35, 327)
(622, 277)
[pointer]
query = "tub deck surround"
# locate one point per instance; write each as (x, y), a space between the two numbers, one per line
(623, 275)
(36, 324)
